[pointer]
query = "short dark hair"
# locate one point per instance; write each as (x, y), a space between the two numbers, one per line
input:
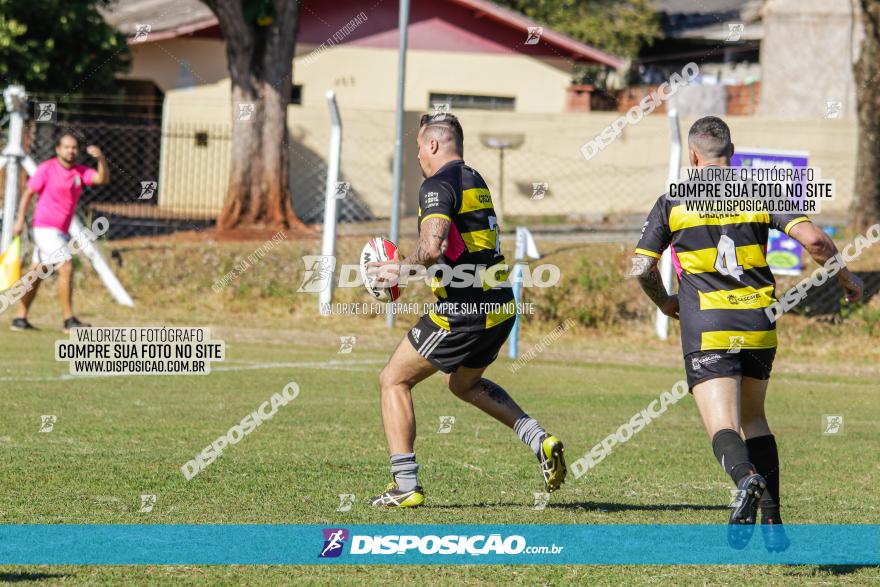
(66, 133)
(445, 124)
(710, 136)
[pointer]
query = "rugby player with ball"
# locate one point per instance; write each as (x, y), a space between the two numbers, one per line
(457, 227)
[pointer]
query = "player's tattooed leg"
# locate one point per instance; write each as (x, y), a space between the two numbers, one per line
(494, 391)
(492, 399)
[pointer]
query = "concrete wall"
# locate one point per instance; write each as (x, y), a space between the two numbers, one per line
(179, 63)
(365, 77)
(806, 58)
(624, 178)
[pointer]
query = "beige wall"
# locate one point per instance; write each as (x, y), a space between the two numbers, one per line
(364, 77)
(806, 58)
(367, 78)
(625, 178)
(167, 63)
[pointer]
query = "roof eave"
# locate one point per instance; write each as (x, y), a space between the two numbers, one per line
(508, 17)
(177, 31)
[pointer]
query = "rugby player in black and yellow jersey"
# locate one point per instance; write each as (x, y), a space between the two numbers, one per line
(458, 228)
(729, 342)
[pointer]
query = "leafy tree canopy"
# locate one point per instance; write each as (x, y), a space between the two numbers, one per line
(614, 26)
(59, 46)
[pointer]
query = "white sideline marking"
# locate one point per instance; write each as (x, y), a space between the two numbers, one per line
(321, 365)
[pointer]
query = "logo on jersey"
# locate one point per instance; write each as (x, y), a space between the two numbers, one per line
(432, 199)
(698, 362)
(334, 540)
(415, 334)
(743, 299)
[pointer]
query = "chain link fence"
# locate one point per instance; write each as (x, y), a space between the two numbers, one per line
(169, 169)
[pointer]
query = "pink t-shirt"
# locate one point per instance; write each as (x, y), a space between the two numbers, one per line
(59, 190)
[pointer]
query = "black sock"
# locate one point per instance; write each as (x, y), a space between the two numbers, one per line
(765, 456)
(731, 451)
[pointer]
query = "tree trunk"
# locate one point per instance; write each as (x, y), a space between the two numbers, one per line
(866, 204)
(260, 68)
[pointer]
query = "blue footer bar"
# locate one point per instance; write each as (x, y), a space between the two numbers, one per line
(161, 544)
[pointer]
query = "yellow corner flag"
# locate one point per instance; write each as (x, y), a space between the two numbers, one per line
(10, 265)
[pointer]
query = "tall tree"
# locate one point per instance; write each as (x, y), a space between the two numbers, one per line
(51, 46)
(866, 205)
(260, 39)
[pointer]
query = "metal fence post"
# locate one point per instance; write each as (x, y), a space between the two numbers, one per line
(402, 25)
(666, 272)
(16, 103)
(328, 243)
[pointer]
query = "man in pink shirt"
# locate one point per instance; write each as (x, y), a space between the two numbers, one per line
(58, 182)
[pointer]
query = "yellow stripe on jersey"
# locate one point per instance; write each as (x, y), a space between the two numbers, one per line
(648, 253)
(479, 240)
(494, 276)
(436, 215)
(744, 298)
(680, 218)
(744, 339)
(794, 222)
(475, 199)
(441, 321)
(504, 312)
(703, 260)
(437, 287)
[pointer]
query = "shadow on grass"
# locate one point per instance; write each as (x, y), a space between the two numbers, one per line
(635, 507)
(22, 577)
(843, 569)
(592, 505)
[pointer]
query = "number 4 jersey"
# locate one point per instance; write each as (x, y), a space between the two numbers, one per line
(458, 193)
(724, 281)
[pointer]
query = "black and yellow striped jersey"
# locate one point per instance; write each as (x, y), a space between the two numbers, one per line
(724, 280)
(459, 194)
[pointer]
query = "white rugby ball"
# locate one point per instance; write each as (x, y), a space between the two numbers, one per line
(378, 249)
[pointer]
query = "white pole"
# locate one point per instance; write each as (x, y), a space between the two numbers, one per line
(16, 102)
(328, 244)
(666, 271)
(397, 166)
(100, 264)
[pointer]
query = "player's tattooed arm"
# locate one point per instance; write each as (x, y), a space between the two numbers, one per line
(430, 247)
(644, 269)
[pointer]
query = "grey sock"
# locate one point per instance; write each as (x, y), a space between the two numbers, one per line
(405, 470)
(530, 432)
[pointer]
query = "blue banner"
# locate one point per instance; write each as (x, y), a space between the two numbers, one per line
(38, 544)
(783, 252)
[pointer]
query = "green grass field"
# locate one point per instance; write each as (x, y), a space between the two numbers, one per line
(119, 437)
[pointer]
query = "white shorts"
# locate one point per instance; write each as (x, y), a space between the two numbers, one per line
(50, 246)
